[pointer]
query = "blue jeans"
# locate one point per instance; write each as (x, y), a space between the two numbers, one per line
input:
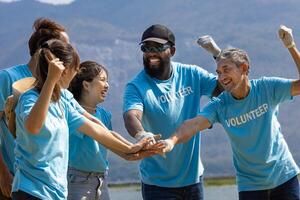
(287, 191)
(190, 192)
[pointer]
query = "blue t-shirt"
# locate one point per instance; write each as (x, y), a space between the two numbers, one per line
(260, 154)
(42, 159)
(86, 154)
(166, 105)
(7, 78)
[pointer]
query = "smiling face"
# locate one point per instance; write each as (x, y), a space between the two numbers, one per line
(96, 90)
(231, 76)
(156, 63)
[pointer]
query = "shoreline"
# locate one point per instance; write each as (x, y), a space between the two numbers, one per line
(210, 181)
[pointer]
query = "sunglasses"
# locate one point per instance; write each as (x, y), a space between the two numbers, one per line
(154, 49)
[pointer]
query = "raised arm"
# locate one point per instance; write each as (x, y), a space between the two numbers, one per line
(38, 113)
(285, 34)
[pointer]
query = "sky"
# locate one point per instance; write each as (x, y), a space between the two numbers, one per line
(53, 2)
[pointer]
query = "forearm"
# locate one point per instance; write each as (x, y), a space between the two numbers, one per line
(120, 137)
(296, 57)
(104, 137)
(189, 128)
(38, 113)
(133, 123)
(3, 167)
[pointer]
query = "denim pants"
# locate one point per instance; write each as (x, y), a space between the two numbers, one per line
(287, 191)
(190, 192)
(87, 185)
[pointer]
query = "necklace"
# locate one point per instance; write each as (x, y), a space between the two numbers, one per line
(88, 108)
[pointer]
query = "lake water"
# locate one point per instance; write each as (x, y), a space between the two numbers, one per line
(227, 192)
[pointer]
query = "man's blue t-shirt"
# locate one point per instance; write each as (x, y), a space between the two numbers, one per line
(41, 160)
(7, 78)
(166, 105)
(86, 154)
(260, 154)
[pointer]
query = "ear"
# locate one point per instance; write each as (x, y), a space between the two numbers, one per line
(173, 50)
(85, 85)
(245, 68)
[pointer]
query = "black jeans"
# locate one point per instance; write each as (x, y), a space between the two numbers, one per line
(286, 191)
(190, 192)
(20, 195)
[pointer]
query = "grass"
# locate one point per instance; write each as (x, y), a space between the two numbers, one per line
(207, 182)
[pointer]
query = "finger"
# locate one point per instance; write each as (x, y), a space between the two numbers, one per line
(157, 136)
(48, 55)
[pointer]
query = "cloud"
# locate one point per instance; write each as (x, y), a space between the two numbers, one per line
(57, 2)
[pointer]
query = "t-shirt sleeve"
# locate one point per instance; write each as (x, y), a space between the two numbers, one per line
(210, 111)
(280, 89)
(208, 82)
(5, 88)
(25, 104)
(74, 118)
(132, 99)
(70, 98)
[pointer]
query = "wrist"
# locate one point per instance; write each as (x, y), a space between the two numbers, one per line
(291, 45)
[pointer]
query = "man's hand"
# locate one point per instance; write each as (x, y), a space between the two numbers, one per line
(286, 35)
(208, 43)
(143, 134)
(139, 155)
(6, 180)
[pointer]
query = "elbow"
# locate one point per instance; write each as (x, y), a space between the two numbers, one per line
(33, 129)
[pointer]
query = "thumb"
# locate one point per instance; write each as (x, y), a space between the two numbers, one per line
(281, 31)
(157, 136)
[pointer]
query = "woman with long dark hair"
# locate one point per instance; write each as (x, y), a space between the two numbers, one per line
(44, 121)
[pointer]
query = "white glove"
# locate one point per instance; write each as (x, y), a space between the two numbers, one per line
(143, 134)
(286, 35)
(208, 43)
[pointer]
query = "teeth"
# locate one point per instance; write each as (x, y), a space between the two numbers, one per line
(154, 59)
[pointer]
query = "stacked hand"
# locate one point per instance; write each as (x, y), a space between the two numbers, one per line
(143, 134)
(286, 35)
(208, 43)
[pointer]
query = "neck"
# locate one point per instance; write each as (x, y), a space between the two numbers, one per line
(32, 65)
(88, 106)
(166, 73)
(242, 90)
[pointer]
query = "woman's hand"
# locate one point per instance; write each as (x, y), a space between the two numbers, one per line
(55, 67)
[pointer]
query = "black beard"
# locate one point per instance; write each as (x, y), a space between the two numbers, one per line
(154, 72)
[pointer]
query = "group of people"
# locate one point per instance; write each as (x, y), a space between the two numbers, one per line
(63, 133)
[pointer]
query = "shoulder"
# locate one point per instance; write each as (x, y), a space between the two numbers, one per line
(30, 94)
(103, 111)
(16, 69)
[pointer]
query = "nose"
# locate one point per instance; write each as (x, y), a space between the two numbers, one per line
(106, 84)
(221, 77)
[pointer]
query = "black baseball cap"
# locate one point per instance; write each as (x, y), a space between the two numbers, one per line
(158, 33)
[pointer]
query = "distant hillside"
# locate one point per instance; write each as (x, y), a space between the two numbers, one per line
(109, 32)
